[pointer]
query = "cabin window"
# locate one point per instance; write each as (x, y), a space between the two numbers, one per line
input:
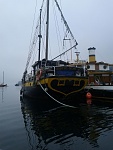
(104, 66)
(88, 66)
(65, 72)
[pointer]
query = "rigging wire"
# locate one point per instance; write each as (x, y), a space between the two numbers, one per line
(32, 30)
(66, 24)
(35, 50)
(35, 38)
(33, 24)
(59, 38)
(63, 52)
(50, 49)
(68, 31)
(57, 28)
(33, 43)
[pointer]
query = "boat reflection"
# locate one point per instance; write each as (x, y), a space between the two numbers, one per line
(2, 93)
(65, 128)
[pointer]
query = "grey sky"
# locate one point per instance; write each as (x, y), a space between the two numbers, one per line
(90, 21)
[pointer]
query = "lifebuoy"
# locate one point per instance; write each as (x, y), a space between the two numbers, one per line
(88, 95)
(39, 73)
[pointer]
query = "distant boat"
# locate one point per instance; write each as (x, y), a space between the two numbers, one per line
(19, 83)
(2, 84)
(16, 84)
(56, 79)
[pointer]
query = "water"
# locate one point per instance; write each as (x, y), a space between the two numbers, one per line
(24, 126)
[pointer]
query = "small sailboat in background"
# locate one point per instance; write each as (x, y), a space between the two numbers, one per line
(2, 84)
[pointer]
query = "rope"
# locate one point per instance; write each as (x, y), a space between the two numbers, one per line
(54, 98)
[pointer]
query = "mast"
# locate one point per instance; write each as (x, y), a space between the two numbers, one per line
(40, 36)
(47, 31)
(3, 77)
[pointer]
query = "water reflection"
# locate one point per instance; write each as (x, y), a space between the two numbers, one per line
(2, 93)
(66, 128)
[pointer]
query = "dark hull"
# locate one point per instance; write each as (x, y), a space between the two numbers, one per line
(3, 85)
(40, 104)
(33, 92)
(101, 92)
(51, 97)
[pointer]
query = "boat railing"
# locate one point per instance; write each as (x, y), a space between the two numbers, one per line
(68, 71)
(49, 71)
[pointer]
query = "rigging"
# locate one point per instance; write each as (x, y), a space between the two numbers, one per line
(65, 22)
(35, 38)
(37, 34)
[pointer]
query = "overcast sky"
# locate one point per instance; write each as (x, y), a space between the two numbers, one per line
(90, 21)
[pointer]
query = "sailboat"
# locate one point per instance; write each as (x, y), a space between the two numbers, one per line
(53, 78)
(2, 84)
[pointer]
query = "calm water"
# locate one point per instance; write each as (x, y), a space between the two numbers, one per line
(23, 126)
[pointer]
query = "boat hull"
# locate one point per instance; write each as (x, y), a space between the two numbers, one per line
(63, 89)
(100, 91)
(3, 85)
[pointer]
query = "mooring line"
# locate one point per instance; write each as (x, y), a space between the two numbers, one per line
(54, 98)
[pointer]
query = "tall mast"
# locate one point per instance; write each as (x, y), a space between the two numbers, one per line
(3, 77)
(47, 30)
(40, 36)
